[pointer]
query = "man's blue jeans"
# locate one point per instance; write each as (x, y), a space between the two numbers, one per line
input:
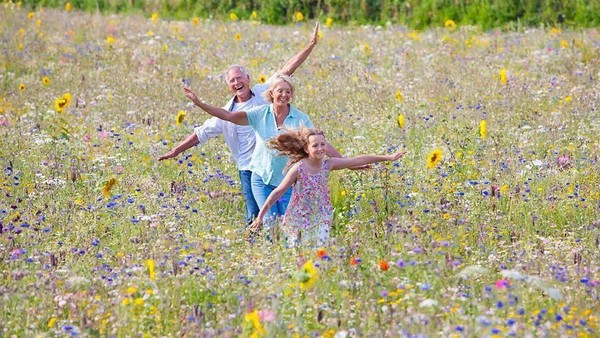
(251, 206)
(261, 191)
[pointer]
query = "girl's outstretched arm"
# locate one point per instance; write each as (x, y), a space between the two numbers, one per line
(287, 182)
(237, 117)
(348, 162)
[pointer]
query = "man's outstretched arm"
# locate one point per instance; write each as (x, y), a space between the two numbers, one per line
(292, 64)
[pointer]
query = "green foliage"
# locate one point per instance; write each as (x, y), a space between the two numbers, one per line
(486, 14)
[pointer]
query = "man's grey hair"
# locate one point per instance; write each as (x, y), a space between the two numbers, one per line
(242, 69)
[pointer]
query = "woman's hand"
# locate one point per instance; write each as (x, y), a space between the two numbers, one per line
(191, 95)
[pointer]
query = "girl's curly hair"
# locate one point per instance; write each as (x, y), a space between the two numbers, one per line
(292, 143)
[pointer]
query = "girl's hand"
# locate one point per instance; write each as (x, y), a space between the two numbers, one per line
(255, 224)
(397, 155)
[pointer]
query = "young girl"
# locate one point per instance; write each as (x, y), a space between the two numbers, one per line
(309, 214)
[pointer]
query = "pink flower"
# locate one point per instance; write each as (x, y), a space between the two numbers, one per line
(502, 283)
(103, 134)
(266, 315)
(3, 121)
(564, 162)
(87, 138)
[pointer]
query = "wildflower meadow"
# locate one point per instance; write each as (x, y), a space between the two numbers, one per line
(489, 226)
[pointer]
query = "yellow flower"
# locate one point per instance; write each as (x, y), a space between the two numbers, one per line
(308, 275)
(108, 186)
(504, 189)
(233, 16)
(62, 102)
(483, 129)
(51, 322)
(68, 7)
(150, 266)
(150, 33)
(180, 117)
(131, 290)
(298, 16)
(399, 96)
(45, 80)
(503, 76)
(367, 49)
(126, 301)
(555, 31)
(155, 17)
(30, 15)
(400, 121)
(564, 44)
(22, 87)
(434, 158)
(450, 24)
(329, 22)
(254, 319)
(138, 301)
(238, 36)
(110, 40)
(195, 21)
(38, 22)
(262, 79)
(254, 15)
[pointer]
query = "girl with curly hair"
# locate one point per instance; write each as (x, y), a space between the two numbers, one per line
(308, 217)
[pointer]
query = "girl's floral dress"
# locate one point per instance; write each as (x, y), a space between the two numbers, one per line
(309, 214)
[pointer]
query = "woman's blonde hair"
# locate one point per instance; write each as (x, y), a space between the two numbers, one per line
(293, 143)
(277, 79)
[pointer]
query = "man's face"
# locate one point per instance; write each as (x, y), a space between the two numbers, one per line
(238, 83)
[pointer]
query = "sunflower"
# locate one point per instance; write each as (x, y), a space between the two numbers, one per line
(399, 96)
(329, 22)
(62, 103)
(150, 266)
(180, 117)
(400, 121)
(434, 158)
(195, 21)
(45, 80)
(262, 79)
(483, 129)
(308, 275)
(22, 87)
(298, 16)
(503, 76)
(450, 24)
(108, 186)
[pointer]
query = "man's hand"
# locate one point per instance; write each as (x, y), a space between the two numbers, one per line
(168, 155)
(315, 36)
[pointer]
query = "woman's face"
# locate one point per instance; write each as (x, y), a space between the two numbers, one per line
(282, 93)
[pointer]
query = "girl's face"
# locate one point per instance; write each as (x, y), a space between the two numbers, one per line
(282, 93)
(315, 147)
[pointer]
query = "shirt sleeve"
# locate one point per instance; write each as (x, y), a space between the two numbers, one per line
(254, 114)
(211, 128)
